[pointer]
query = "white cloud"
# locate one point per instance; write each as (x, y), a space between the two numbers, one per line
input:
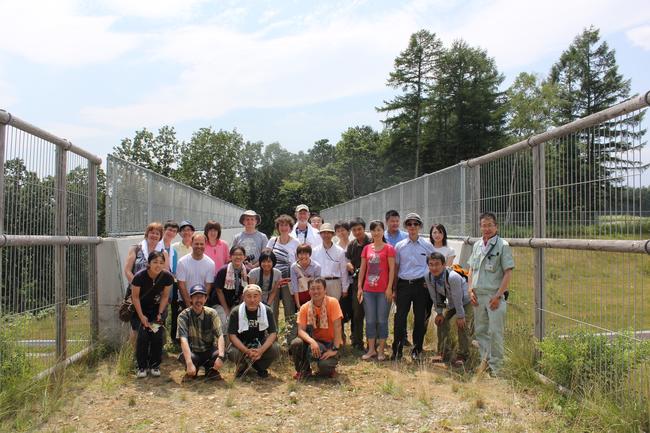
(54, 33)
(152, 9)
(517, 33)
(640, 36)
(226, 70)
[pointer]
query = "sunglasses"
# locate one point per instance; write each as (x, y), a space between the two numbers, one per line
(412, 224)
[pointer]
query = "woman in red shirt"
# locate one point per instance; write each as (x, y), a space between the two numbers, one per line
(376, 275)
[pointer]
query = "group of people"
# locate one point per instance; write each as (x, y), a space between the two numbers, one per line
(225, 299)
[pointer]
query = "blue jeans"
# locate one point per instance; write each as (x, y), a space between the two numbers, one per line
(376, 308)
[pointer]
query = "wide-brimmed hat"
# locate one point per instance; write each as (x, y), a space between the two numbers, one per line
(250, 213)
(327, 227)
(413, 217)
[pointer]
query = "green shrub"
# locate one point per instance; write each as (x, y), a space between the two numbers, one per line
(581, 360)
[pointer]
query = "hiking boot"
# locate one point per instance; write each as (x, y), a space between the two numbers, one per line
(213, 374)
(141, 373)
(155, 372)
(301, 375)
(263, 373)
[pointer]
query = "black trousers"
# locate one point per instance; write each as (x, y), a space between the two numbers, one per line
(148, 348)
(410, 293)
(201, 359)
(177, 306)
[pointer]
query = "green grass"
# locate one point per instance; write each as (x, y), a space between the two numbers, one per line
(42, 326)
(593, 290)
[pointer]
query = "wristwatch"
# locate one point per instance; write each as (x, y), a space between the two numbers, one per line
(335, 349)
(222, 358)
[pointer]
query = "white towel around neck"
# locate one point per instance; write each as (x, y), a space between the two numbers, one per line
(262, 318)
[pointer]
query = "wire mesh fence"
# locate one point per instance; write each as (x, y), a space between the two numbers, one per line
(48, 232)
(570, 201)
(136, 196)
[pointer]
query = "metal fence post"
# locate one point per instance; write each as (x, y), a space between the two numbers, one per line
(476, 199)
(110, 174)
(425, 217)
(3, 132)
(60, 300)
(149, 198)
(92, 251)
(463, 201)
(539, 231)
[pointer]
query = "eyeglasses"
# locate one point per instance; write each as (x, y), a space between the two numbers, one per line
(412, 224)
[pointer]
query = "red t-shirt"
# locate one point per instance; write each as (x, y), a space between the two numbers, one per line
(376, 278)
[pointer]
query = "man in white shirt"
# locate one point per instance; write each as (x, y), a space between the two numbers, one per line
(195, 268)
(333, 263)
(302, 230)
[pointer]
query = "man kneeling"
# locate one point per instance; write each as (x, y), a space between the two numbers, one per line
(446, 284)
(253, 334)
(319, 333)
(199, 331)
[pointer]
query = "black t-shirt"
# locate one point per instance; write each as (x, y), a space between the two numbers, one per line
(232, 296)
(253, 335)
(354, 250)
(149, 291)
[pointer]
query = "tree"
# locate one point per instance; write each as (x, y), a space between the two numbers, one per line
(530, 105)
(156, 153)
(415, 72)
(211, 162)
(466, 109)
(358, 165)
(587, 78)
(588, 81)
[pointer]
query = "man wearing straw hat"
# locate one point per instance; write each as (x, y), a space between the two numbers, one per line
(253, 334)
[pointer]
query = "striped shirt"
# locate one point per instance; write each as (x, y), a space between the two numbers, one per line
(201, 330)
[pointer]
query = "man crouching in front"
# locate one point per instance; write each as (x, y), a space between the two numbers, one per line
(319, 333)
(199, 331)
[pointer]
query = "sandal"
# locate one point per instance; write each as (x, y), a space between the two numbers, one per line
(381, 357)
(367, 356)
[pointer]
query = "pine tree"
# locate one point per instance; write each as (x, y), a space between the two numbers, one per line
(415, 72)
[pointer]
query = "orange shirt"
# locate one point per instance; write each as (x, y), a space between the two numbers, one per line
(333, 313)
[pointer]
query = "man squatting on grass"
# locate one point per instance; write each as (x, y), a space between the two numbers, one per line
(253, 334)
(445, 284)
(199, 331)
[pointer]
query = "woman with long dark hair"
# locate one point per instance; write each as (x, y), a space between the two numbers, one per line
(150, 293)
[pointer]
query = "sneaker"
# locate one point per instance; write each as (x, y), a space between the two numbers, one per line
(213, 374)
(301, 375)
(155, 372)
(416, 355)
(263, 373)
(141, 373)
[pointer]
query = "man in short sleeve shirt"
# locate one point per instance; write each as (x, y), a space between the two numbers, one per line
(491, 265)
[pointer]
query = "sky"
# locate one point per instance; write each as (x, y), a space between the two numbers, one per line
(291, 71)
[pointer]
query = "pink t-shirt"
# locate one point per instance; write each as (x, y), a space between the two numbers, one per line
(218, 253)
(377, 267)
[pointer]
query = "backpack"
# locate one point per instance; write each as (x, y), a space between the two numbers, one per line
(459, 270)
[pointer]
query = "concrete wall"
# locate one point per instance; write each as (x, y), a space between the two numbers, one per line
(111, 256)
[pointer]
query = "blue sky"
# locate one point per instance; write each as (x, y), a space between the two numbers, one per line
(285, 70)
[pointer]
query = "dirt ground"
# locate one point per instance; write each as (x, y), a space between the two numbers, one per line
(365, 397)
